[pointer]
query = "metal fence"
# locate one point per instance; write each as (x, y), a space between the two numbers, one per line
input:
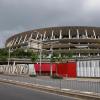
(80, 85)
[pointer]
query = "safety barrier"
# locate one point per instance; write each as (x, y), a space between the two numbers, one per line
(20, 69)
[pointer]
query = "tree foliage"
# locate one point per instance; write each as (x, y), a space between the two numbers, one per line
(34, 57)
(3, 54)
(18, 53)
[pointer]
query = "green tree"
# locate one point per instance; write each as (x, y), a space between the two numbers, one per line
(3, 54)
(70, 55)
(34, 57)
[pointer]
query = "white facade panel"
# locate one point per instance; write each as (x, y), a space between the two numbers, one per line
(97, 68)
(32, 69)
(85, 72)
(78, 68)
(88, 68)
(81, 69)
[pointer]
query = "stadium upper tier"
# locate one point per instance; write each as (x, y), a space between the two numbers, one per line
(78, 40)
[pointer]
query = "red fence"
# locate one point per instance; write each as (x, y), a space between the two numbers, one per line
(62, 69)
(45, 68)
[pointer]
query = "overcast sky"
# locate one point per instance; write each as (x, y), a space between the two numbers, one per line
(21, 15)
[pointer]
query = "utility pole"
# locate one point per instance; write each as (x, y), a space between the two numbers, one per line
(9, 56)
(40, 47)
(51, 50)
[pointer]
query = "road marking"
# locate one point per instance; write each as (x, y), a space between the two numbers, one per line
(66, 89)
(87, 92)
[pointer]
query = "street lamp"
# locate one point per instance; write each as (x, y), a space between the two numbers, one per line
(9, 56)
(40, 47)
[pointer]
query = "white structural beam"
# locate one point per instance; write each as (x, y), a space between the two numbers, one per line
(19, 39)
(52, 34)
(86, 34)
(10, 43)
(60, 34)
(69, 34)
(16, 41)
(94, 34)
(30, 37)
(25, 38)
(44, 35)
(37, 36)
(13, 41)
(77, 33)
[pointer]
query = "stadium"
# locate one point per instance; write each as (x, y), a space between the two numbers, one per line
(77, 40)
(82, 44)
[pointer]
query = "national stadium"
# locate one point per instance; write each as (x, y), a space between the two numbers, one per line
(77, 40)
(80, 42)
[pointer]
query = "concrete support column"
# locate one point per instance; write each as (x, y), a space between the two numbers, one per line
(77, 33)
(60, 35)
(52, 35)
(98, 54)
(69, 34)
(89, 54)
(94, 34)
(37, 36)
(44, 35)
(79, 55)
(86, 34)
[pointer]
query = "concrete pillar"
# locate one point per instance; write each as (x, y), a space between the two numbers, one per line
(60, 35)
(77, 33)
(86, 34)
(52, 35)
(37, 36)
(79, 55)
(69, 34)
(94, 34)
(44, 35)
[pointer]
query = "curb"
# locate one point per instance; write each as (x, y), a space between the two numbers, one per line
(76, 94)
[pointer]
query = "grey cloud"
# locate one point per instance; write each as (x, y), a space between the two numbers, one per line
(22, 15)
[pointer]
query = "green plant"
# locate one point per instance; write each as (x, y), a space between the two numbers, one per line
(32, 75)
(56, 76)
(70, 55)
(3, 58)
(34, 57)
(3, 54)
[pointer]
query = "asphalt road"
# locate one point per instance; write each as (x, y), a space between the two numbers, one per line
(12, 92)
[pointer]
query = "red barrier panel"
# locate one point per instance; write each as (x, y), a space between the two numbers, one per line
(45, 68)
(71, 69)
(62, 69)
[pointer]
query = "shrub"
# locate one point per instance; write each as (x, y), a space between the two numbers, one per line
(56, 76)
(32, 75)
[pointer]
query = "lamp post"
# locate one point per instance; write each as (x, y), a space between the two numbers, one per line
(9, 56)
(40, 47)
(51, 48)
